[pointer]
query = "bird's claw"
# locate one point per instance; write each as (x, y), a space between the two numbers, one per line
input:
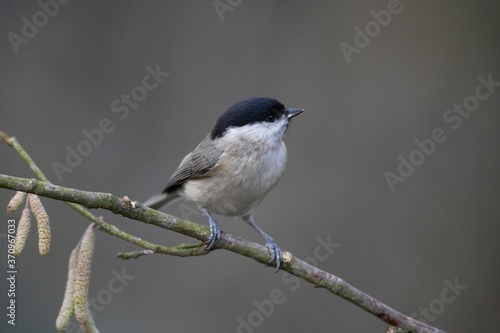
(214, 230)
(214, 236)
(276, 254)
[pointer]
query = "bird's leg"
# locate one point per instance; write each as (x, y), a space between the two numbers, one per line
(214, 229)
(274, 250)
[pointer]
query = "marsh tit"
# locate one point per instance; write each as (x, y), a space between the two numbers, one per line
(235, 166)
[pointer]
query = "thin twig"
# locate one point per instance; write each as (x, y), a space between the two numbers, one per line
(133, 255)
(106, 227)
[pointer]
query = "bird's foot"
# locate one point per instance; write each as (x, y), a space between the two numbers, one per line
(275, 251)
(214, 229)
(214, 234)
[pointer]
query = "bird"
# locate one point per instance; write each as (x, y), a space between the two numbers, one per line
(235, 166)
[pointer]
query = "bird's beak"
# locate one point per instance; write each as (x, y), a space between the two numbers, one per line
(292, 112)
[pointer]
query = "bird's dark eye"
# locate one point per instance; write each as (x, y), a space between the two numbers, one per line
(271, 118)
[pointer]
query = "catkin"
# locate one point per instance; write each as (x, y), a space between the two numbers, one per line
(43, 224)
(67, 308)
(23, 230)
(82, 279)
(16, 201)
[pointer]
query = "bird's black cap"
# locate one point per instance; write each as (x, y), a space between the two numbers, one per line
(248, 111)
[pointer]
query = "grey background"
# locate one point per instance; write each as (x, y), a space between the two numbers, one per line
(441, 224)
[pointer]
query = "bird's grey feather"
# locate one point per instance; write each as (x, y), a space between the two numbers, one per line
(156, 201)
(197, 164)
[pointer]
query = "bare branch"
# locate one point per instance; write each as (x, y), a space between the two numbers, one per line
(139, 212)
(136, 211)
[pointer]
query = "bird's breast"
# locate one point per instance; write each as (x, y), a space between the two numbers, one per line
(241, 180)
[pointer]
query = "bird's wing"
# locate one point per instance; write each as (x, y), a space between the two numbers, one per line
(197, 164)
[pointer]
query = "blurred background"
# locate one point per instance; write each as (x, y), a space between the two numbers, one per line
(373, 77)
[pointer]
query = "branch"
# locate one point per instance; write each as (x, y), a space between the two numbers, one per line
(136, 211)
(131, 209)
(108, 228)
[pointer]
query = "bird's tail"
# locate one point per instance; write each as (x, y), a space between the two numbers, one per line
(160, 200)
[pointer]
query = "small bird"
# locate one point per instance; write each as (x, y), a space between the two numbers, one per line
(235, 166)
